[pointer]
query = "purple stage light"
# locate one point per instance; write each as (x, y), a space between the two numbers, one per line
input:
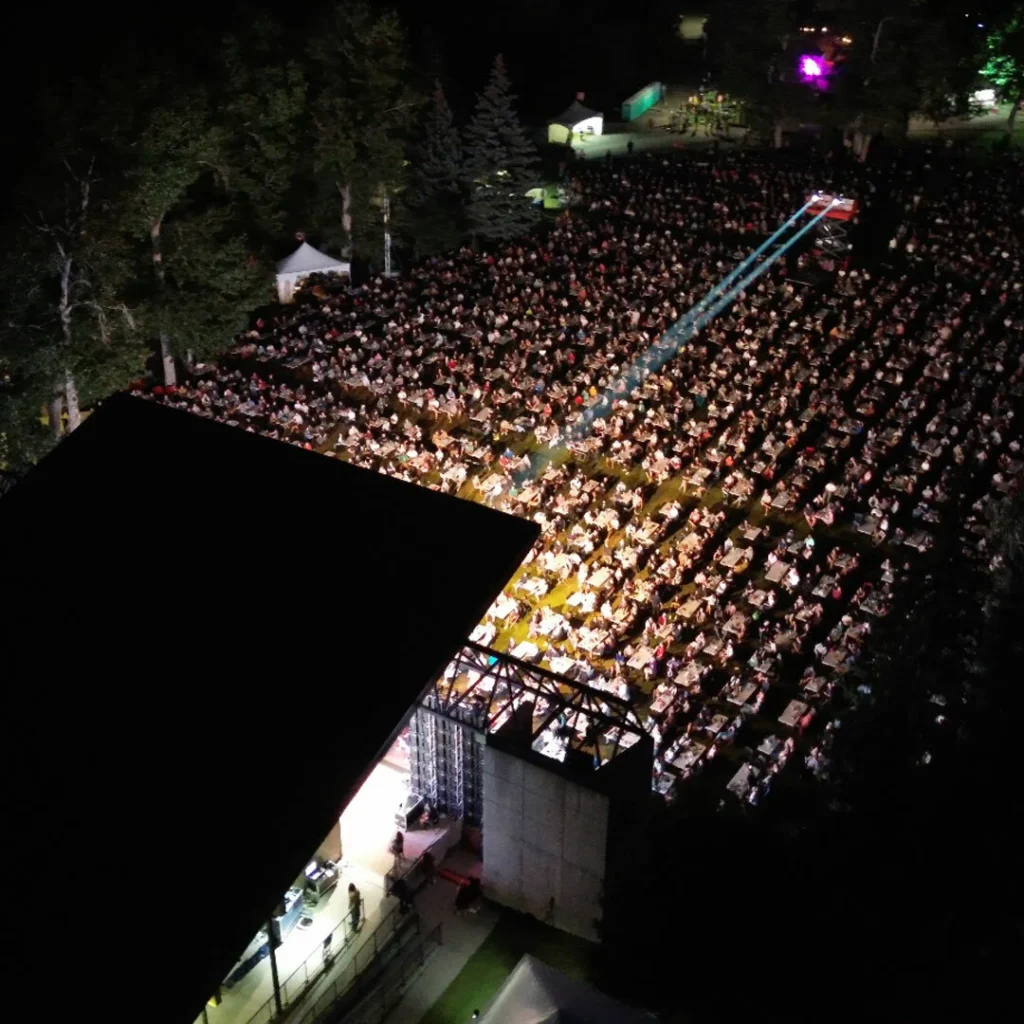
(811, 67)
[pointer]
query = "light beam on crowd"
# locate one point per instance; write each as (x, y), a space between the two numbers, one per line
(684, 322)
(656, 355)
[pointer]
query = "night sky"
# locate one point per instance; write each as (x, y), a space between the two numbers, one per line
(553, 50)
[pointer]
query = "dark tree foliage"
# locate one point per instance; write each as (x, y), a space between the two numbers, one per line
(435, 196)
(500, 163)
(907, 57)
(363, 109)
(161, 184)
(754, 52)
(1004, 52)
(263, 100)
(437, 153)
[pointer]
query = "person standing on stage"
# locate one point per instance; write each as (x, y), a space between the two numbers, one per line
(355, 906)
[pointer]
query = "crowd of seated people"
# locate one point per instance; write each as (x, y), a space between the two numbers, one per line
(719, 543)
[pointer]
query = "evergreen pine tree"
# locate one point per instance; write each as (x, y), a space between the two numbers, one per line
(500, 165)
(437, 162)
(435, 198)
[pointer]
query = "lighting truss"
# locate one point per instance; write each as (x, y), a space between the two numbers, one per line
(832, 237)
(482, 688)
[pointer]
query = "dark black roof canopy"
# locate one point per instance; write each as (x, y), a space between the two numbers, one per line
(211, 637)
(573, 114)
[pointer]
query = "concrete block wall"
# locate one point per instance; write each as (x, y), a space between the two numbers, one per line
(545, 839)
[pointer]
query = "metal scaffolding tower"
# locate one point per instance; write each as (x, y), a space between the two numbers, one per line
(477, 694)
(833, 238)
(446, 759)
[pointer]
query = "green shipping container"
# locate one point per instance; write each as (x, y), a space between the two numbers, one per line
(640, 102)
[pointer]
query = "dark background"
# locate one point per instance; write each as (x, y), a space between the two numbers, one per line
(553, 49)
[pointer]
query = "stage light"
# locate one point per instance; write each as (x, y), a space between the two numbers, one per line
(811, 68)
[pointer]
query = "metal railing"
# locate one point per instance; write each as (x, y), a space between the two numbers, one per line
(394, 982)
(410, 870)
(300, 982)
(415, 872)
(363, 967)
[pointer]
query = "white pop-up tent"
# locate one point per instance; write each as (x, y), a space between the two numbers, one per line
(305, 261)
(535, 993)
(574, 122)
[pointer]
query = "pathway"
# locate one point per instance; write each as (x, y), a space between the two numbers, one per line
(461, 937)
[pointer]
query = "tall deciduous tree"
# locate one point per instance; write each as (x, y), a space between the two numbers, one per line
(909, 57)
(263, 102)
(878, 89)
(500, 165)
(362, 113)
(86, 296)
(30, 363)
(69, 334)
(755, 53)
(213, 282)
(65, 272)
(1005, 61)
(178, 145)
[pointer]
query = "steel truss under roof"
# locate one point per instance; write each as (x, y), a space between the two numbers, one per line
(481, 688)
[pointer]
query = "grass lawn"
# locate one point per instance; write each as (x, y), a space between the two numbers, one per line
(981, 133)
(514, 935)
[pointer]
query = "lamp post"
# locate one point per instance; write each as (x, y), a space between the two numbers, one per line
(387, 236)
(273, 967)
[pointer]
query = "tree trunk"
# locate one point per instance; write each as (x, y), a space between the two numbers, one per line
(64, 304)
(861, 144)
(167, 360)
(878, 36)
(346, 216)
(66, 386)
(777, 135)
(71, 397)
(1014, 111)
(166, 355)
(55, 412)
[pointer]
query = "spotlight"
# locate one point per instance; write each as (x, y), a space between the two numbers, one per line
(811, 67)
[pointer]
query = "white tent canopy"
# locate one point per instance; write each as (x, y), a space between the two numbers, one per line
(574, 121)
(305, 261)
(535, 993)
